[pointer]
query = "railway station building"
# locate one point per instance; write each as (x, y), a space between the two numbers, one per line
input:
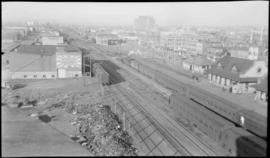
(42, 62)
(236, 74)
(261, 90)
(197, 64)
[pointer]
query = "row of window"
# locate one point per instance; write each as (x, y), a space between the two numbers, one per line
(44, 76)
(35, 76)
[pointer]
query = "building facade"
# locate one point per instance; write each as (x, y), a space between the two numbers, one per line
(42, 62)
(106, 39)
(197, 64)
(261, 90)
(236, 74)
(186, 42)
(52, 40)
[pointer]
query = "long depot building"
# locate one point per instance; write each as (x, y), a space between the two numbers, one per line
(41, 62)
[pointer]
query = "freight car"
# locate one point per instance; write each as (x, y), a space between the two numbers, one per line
(209, 123)
(248, 119)
(237, 141)
(243, 142)
(101, 74)
(242, 117)
(252, 122)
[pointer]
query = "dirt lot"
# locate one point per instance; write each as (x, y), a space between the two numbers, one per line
(67, 106)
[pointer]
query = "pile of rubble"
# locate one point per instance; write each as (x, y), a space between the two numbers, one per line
(98, 128)
(102, 131)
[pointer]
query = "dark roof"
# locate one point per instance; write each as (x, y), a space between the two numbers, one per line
(37, 49)
(225, 70)
(263, 86)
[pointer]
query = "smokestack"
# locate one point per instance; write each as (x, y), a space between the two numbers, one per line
(261, 37)
(251, 36)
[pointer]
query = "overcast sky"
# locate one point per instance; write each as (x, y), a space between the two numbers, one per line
(187, 13)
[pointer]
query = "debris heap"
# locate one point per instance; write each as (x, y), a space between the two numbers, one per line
(103, 132)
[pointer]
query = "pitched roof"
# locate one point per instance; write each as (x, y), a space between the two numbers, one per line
(263, 86)
(37, 49)
(226, 65)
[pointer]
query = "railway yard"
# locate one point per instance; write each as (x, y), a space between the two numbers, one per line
(152, 107)
(141, 107)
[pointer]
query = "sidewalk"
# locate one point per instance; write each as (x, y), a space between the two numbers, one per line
(26, 136)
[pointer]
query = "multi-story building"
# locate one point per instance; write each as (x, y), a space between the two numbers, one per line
(186, 42)
(144, 23)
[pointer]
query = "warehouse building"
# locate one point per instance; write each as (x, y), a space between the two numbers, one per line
(41, 62)
(237, 74)
(197, 64)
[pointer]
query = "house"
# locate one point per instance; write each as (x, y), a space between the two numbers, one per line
(106, 39)
(214, 54)
(236, 74)
(261, 90)
(197, 64)
(42, 61)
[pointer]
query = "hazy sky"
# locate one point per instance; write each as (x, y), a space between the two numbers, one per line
(189, 13)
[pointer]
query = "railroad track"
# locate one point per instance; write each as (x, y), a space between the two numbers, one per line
(165, 132)
(192, 137)
(123, 99)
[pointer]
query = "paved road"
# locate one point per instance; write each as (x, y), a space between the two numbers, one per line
(25, 136)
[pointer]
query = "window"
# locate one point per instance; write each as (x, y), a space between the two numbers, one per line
(25, 76)
(35, 76)
(259, 70)
(44, 76)
(234, 69)
(219, 65)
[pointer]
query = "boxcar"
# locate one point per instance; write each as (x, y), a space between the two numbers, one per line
(134, 64)
(217, 104)
(101, 74)
(239, 142)
(252, 121)
(206, 121)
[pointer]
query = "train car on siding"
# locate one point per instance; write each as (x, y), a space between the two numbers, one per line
(101, 74)
(252, 121)
(242, 142)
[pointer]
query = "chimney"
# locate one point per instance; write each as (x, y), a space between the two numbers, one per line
(251, 37)
(261, 37)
